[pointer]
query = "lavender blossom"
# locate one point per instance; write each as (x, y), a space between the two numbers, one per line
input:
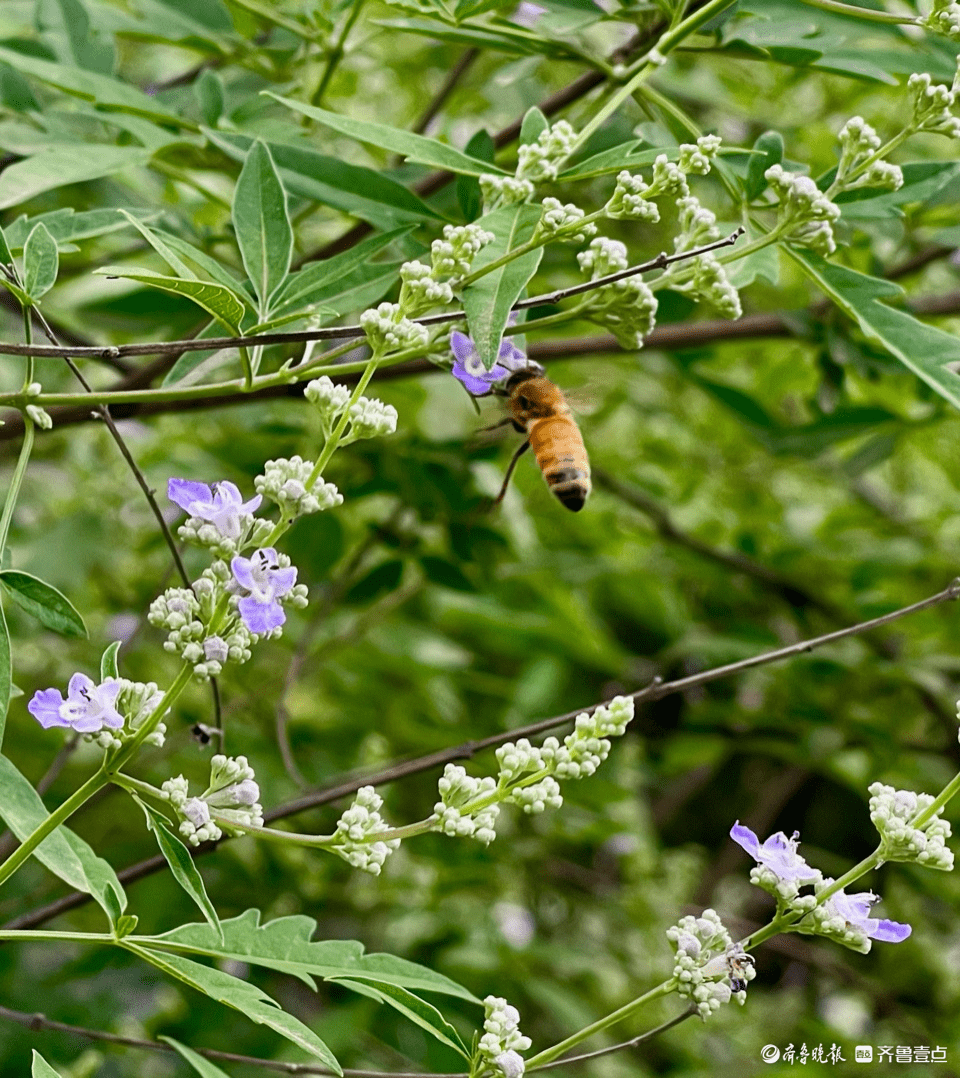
(87, 708)
(778, 853)
(266, 581)
(221, 503)
(855, 911)
(470, 371)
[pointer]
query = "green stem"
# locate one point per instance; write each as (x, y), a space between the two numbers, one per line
(274, 834)
(949, 791)
(59, 815)
(523, 249)
(17, 936)
(270, 14)
(29, 431)
(137, 786)
(842, 182)
(646, 64)
(629, 1009)
(336, 54)
(837, 8)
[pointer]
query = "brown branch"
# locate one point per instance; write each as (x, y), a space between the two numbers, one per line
(467, 59)
(657, 690)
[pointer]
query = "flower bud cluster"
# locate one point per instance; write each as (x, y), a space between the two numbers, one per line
(330, 399)
(178, 610)
(354, 827)
(40, 416)
(370, 418)
(138, 701)
(232, 794)
(563, 222)
(454, 814)
(627, 308)
(704, 278)
(420, 290)
(502, 1042)
(858, 143)
(389, 330)
(707, 962)
(504, 190)
(698, 225)
(944, 19)
(627, 201)
(696, 160)
(933, 107)
(541, 160)
(285, 483)
(580, 755)
(454, 254)
(892, 810)
(805, 215)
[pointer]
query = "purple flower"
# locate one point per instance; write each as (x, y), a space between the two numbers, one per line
(221, 503)
(265, 580)
(778, 853)
(87, 708)
(469, 370)
(855, 910)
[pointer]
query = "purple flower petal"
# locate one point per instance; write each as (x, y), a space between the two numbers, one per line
(744, 837)
(261, 617)
(45, 708)
(282, 580)
(778, 853)
(891, 931)
(186, 492)
(461, 346)
(243, 572)
(855, 910)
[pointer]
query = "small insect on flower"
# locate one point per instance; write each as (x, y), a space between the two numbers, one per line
(538, 409)
(737, 964)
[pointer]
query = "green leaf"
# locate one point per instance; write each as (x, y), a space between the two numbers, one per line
(6, 673)
(383, 578)
(417, 1010)
(469, 195)
(44, 602)
(923, 181)
(929, 352)
(181, 864)
(15, 92)
(58, 166)
(533, 125)
(770, 147)
(41, 261)
(210, 97)
(285, 944)
(216, 300)
(487, 302)
(66, 225)
(445, 572)
(41, 1068)
(91, 86)
(319, 281)
(356, 190)
(262, 224)
(108, 661)
(6, 259)
(242, 996)
(202, 1066)
(63, 852)
(419, 148)
(190, 361)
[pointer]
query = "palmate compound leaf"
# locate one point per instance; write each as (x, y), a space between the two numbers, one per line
(241, 995)
(215, 299)
(930, 353)
(488, 301)
(63, 852)
(285, 944)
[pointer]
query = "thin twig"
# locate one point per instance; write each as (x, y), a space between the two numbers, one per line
(455, 74)
(327, 333)
(632, 1043)
(40, 1021)
(656, 690)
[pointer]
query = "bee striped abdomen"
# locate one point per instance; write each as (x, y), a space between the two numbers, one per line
(562, 456)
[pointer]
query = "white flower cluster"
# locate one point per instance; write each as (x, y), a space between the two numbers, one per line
(370, 418)
(388, 330)
(562, 222)
(502, 1042)
(504, 190)
(669, 179)
(420, 290)
(454, 814)
(541, 160)
(627, 308)
(933, 107)
(285, 483)
(453, 255)
(698, 225)
(210, 656)
(361, 820)
(329, 397)
(891, 811)
(580, 755)
(178, 610)
(858, 142)
(696, 160)
(708, 281)
(805, 214)
(628, 202)
(708, 964)
(943, 19)
(233, 794)
(221, 543)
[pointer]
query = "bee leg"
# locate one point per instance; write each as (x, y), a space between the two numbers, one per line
(496, 426)
(513, 463)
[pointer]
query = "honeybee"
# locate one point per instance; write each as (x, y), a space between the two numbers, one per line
(540, 411)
